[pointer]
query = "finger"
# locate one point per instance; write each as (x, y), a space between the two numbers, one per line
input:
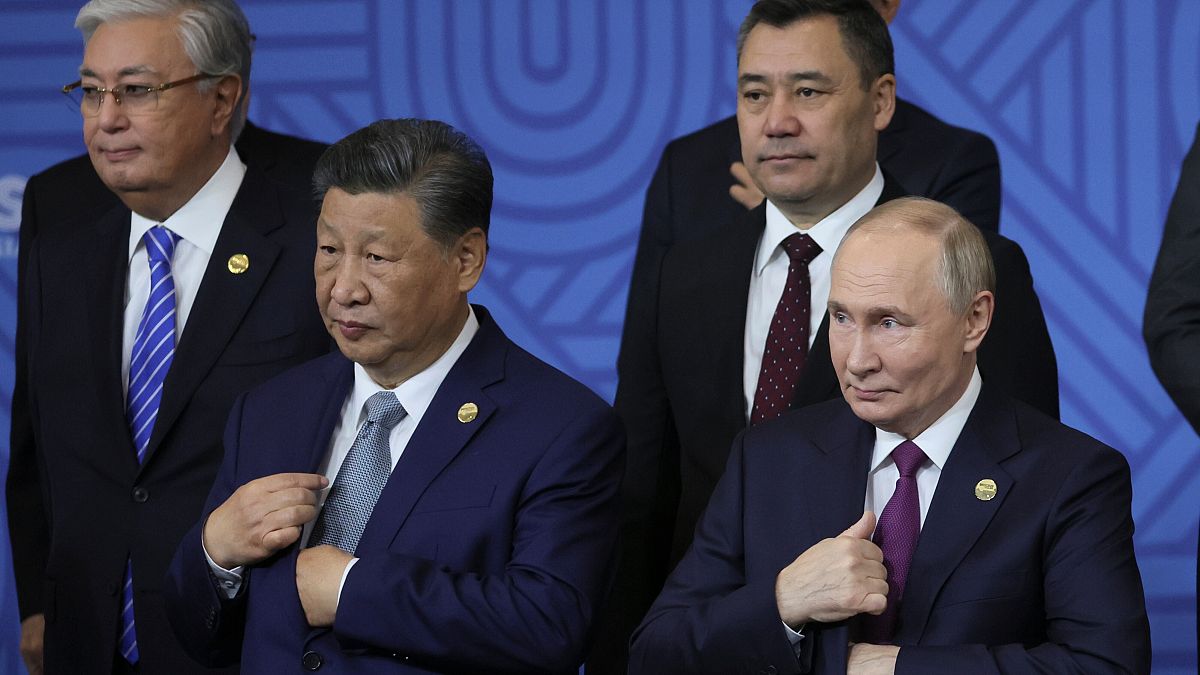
(874, 603)
(291, 516)
(276, 540)
(863, 528)
(283, 481)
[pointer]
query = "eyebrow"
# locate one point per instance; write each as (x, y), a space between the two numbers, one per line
(881, 310)
(127, 71)
(802, 76)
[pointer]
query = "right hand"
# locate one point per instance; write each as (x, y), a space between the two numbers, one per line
(261, 517)
(33, 632)
(835, 579)
(744, 191)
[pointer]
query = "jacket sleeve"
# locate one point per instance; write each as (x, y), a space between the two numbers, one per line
(28, 522)
(709, 618)
(209, 626)
(1171, 325)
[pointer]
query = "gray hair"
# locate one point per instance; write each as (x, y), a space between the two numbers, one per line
(215, 35)
(965, 267)
(441, 168)
(864, 33)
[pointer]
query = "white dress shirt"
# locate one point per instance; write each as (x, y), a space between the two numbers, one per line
(769, 275)
(415, 394)
(198, 224)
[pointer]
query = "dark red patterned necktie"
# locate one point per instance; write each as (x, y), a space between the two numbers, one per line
(787, 341)
(896, 534)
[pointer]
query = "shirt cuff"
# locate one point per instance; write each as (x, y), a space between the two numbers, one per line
(342, 584)
(229, 582)
(794, 637)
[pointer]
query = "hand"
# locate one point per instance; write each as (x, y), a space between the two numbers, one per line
(872, 659)
(261, 517)
(744, 191)
(33, 631)
(834, 579)
(318, 579)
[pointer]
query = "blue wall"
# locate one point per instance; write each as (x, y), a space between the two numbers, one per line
(1091, 102)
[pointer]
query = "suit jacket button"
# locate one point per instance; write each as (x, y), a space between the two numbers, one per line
(140, 495)
(769, 670)
(311, 661)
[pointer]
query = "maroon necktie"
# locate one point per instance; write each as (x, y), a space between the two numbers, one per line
(787, 341)
(896, 534)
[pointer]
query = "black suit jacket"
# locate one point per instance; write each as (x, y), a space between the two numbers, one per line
(64, 198)
(1041, 578)
(680, 388)
(78, 501)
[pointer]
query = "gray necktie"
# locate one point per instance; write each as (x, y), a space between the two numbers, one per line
(361, 478)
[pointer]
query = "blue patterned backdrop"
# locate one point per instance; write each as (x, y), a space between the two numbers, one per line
(1092, 104)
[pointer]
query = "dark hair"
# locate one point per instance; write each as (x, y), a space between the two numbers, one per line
(441, 168)
(864, 33)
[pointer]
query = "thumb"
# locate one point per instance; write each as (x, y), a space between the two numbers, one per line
(863, 528)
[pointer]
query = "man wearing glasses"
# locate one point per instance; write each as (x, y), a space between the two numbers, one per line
(141, 327)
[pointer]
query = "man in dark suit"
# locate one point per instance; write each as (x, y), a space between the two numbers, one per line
(1173, 305)
(815, 87)
(1004, 540)
(96, 507)
(491, 544)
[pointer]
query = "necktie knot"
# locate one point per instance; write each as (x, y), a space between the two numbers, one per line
(384, 409)
(160, 244)
(908, 458)
(801, 249)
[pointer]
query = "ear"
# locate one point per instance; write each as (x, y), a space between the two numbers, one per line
(887, 9)
(978, 319)
(227, 94)
(470, 254)
(884, 94)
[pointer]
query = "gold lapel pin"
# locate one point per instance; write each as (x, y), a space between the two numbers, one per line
(985, 490)
(238, 263)
(468, 412)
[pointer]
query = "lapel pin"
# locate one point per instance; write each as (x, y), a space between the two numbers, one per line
(468, 412)
(238, 263)
(985, 490)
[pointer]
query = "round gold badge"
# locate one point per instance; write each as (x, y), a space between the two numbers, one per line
(238, 263)
(468, 412)
(985, 490)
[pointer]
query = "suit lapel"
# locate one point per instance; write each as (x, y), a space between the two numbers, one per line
(104, 250)
(956, 517)
(836, 478)
(223, 299)
(729, 264)
(440, 436)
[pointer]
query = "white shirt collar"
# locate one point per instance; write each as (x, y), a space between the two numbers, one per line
(193, 222)
(938, 440)
(827, 232)
(417, 392)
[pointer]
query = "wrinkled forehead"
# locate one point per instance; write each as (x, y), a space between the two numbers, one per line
(136, 45)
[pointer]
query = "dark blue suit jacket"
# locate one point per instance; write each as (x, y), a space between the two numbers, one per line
(490, 549)
(1040, 578)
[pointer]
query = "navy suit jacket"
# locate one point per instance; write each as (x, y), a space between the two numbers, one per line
(1040, 578)
(76, 459)
(491, 546)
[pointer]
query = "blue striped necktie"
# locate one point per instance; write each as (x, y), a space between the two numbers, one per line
(361, 478)
(149, 361)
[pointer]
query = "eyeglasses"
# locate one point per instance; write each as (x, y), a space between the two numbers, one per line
(134, 99)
